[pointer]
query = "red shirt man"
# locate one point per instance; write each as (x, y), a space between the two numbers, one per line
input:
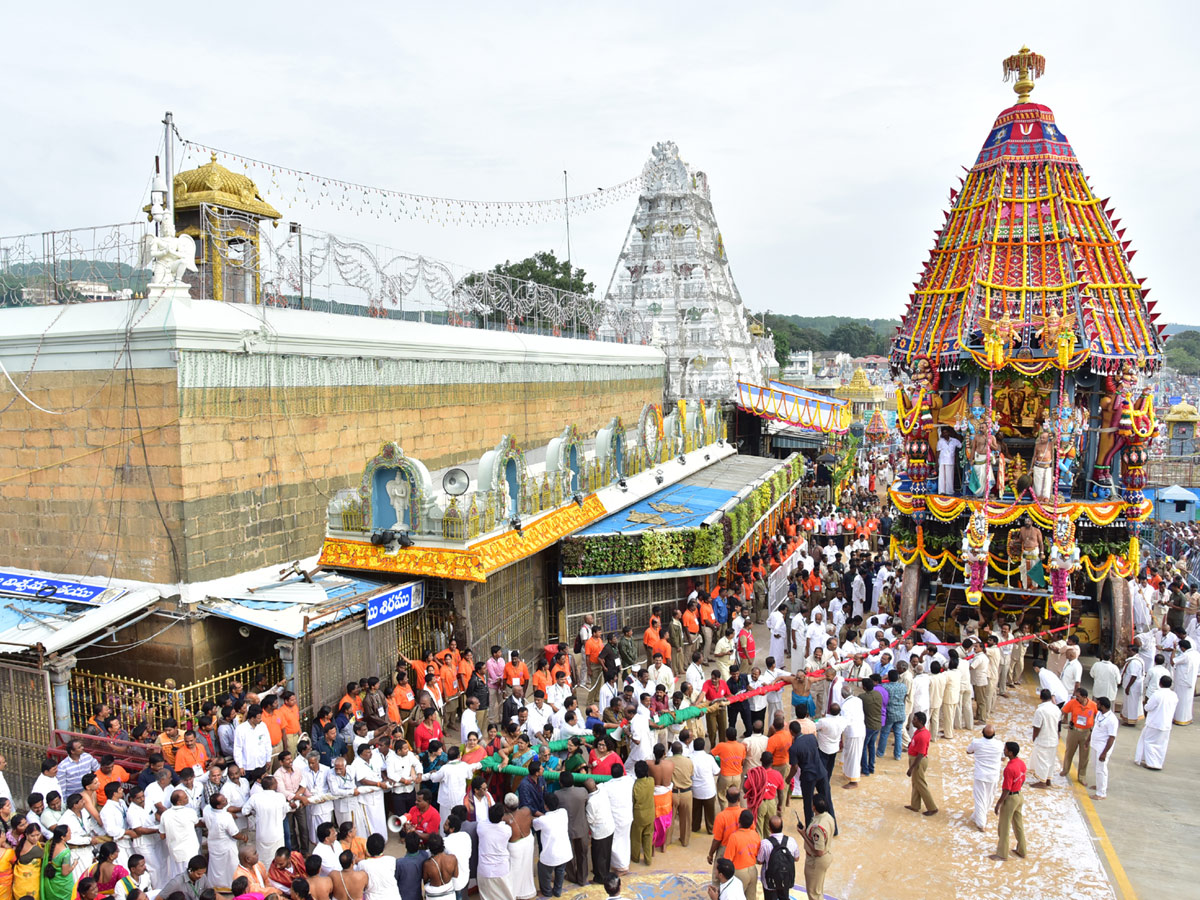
(715, 690)
(1014, 776)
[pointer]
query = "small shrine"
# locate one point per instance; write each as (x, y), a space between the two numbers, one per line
(1023, 353)
(1182, 421)
(864, 397)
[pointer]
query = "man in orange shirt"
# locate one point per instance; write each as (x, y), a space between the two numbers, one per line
(651, 637)
(270, 718)
(732, 754)
(591, 651)
(725, 824)
(1080, 715)
(405, 700)
(170, 739)
(353, 697)
(108, 772)
(691, 629)
(779, 744)
(516, 672)
(289, 717)
(741, 849)
(192, 754)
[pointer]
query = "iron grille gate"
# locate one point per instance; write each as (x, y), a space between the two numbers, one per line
(348, 654)
(27, 729)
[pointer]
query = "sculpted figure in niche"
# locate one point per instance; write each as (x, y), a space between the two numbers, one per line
(399, 491)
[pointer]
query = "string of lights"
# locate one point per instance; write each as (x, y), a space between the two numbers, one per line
(299, 188)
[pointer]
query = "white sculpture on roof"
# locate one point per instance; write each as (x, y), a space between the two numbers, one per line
(673, 270)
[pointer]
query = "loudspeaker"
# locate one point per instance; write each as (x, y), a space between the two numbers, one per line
(456, 482)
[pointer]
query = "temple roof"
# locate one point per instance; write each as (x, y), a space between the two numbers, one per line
(1027, 238)
(215, 185)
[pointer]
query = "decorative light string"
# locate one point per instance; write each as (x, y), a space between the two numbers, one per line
(313, 190)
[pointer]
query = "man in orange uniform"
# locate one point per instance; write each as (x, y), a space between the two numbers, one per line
(741, 849)
(108, 772)
(725, 824)
(591, 651)
(651, 637)
(405, 699)
(732, 754)
(516, 673)
(352, 696)
(1080, 715)
(191, 755)
(289, 718)
(691, 630)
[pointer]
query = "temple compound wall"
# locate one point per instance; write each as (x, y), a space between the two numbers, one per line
(191, 440)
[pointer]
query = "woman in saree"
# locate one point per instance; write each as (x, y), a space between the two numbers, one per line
(105, 869)
(27, 869)
(472, 751)
(58, 876)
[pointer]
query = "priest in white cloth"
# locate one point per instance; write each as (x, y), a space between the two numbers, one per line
(314, 787)
(1048, 681)
(1044, 758)
(1133, 683)
(453, 777)
(1187, 667)
(853, 735)
(372, 785)
(620, 802)
(988, 754)
(269, 808)
(179, 829)
(115, 821)
(223, 837)
(777, 626)
(1160, 713)
(347, 805)
(149, 839)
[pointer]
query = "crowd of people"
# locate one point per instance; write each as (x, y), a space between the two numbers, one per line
(609, 751)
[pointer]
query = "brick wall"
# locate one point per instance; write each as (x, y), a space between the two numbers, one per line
(242, 479)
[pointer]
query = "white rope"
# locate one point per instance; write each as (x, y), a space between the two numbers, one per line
(23, 394)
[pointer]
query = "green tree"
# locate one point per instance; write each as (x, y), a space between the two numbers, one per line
(543, 268)
(783, 349)
(1183, 352)
(855, 338)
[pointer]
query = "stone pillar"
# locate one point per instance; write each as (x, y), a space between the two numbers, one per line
(287, 656)
(910, 589)
(60, 668)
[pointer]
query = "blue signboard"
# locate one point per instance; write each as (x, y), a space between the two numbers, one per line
(390, 604)
(49, 588)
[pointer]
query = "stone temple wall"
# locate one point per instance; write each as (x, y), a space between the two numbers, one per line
(243, 449)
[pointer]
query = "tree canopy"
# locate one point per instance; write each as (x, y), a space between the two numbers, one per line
(544, 267)
(1183, 352)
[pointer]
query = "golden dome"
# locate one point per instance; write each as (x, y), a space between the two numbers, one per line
(215, 185)
(756, 329)
(859, 381)
(1183, 412)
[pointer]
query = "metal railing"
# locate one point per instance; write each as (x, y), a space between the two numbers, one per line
(239, 262)
(145, 701)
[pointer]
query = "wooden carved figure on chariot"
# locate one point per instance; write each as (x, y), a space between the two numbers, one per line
(1118, 394)
(975, 546)
(1043, 462)
(925, 381)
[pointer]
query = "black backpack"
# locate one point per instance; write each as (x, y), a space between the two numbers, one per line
(781, 867)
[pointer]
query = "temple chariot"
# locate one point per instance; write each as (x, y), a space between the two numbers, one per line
(1021, 361)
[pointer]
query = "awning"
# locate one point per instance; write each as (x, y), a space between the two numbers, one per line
(58, 611)
(296, 607)
(795, 406)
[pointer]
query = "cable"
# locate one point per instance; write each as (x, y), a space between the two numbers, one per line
(24, 395)
(125, 648)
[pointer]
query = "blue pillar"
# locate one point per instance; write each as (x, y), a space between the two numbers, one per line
(60, 669)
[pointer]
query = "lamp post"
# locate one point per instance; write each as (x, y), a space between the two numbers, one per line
(294, 231)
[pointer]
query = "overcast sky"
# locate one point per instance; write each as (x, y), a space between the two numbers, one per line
(831, 132)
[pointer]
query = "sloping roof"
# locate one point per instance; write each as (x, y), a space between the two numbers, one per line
(281, 607)
(1175, 492)
(57, 611)
(1026, 234)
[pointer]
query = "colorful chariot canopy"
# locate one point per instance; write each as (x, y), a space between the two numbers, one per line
(1030, 264)
(795, 406)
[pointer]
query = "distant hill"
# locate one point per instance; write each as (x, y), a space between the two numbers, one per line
(1174, 328)
(856, 336)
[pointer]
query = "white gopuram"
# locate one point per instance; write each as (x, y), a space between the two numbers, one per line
(673, 270)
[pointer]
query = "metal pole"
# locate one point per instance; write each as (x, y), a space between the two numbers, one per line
(169, 156)
(300, 261)
(567, 213)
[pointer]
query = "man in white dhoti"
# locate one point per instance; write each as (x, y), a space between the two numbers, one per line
(1044, 758)
(918, 691)
(453, 777)
(777, 626)
(372, 784)
(149, 839)
(1048, 681)
(815, 635)
(1147, 646)
(947, 451)
(318, 803)
(853, 736)
(1104, 735)
(1133, 680)
(223, 837)
(1106, 677)
(1154, 676)
(988, 754)
(1160, 713)
(1141, 606)
(114, 821)
(1187, 667)
(620, 801)
(269, 808)
(179, 829)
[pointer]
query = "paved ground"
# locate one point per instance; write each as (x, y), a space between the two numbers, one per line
(1148, 818)
(886, 851)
